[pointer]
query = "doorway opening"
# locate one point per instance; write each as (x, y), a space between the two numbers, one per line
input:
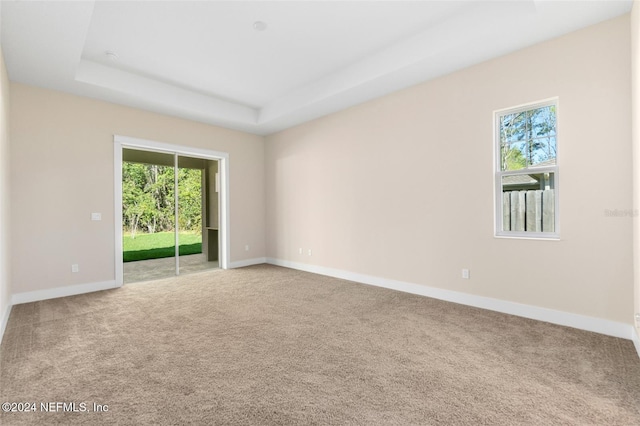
(171, 205)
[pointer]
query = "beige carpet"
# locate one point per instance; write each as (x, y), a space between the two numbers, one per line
(267, 345)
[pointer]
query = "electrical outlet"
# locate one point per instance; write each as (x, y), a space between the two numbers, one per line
(75, 268)
(465, 274)
(300, 250)
(246, 248)
(96, 216)
(638, 319)
(309, 252)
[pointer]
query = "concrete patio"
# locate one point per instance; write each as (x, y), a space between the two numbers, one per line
(145, 270)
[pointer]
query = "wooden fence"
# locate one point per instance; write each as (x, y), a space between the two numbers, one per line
(530, 211)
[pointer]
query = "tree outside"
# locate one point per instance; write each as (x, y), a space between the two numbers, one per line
(148, 207)
(528, 138)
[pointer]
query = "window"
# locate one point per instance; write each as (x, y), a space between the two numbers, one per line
(526, 171)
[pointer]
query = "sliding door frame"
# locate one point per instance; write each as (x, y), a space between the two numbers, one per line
(121, 142)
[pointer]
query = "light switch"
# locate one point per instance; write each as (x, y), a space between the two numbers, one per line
(96, 216)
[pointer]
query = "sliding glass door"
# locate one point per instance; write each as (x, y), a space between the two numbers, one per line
(148, 215)
(197, 214)
(169, 206)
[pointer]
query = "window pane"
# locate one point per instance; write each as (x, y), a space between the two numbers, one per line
(543, 152)
(528, 202)
(544, 121)
(513, 156)
(528, 139)
(512, 127)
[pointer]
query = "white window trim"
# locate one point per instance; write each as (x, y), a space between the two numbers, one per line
(121, 142)
(497, 175)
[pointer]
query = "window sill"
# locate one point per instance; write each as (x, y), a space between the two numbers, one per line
(550, 237)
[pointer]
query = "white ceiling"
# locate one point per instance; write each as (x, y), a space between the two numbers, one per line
(204, 61)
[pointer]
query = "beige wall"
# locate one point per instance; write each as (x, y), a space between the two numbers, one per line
(62, 170)
(402, 187)
(5, 283)
(635, 129)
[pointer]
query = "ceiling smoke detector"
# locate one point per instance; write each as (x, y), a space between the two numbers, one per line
(259, 26)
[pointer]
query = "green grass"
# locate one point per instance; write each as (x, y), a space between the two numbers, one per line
(158, 245)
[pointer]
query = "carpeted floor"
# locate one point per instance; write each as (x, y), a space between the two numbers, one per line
(267, 345)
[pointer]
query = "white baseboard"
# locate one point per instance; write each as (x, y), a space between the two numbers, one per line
(582, 322)
(6, 311)
(636, 340)
(52, 293)
(247, 262)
